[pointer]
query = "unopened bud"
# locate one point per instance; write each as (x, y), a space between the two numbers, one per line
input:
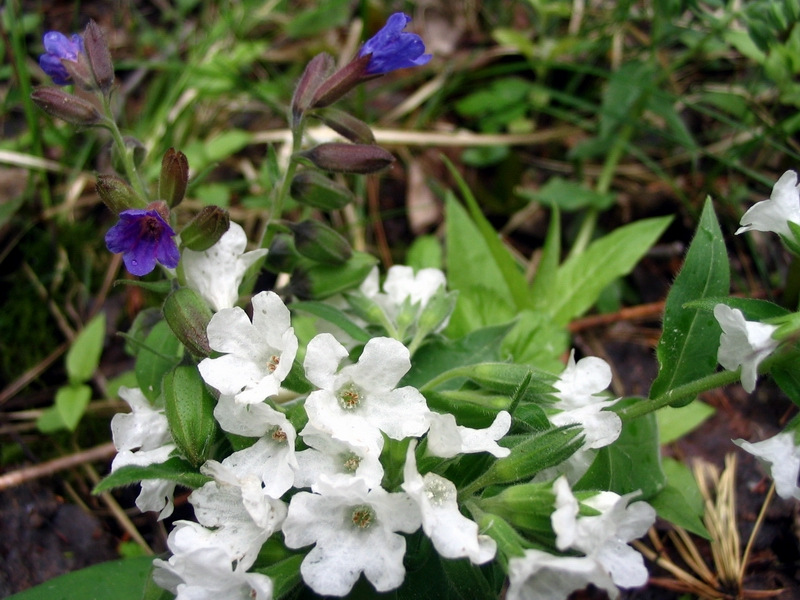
(282, 256)
(527, 507)
(80, 72)
(117, 194)
(436, 314)
(346, 125)
(341, 82)
(188, 315)
(314, 189)
(174, 177)
(202, 232)
(348, 158)
(317, 282)
(189, 407)
(67, 107)
(506, 378)
(96, 46)
(320, 243)
(366, 308)
(317, 70)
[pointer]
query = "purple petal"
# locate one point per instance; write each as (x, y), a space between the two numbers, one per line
(143, 237)
(59, 47)
(392, 49)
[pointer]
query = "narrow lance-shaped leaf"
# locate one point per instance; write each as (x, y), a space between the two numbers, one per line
(175, 469)
(688, 347)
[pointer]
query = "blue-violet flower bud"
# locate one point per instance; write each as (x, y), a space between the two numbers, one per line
(57, 47)
(143, 237)
(392, 49)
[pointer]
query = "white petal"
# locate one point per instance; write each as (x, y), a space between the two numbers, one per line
(781, 457)
(323, 356)
(542, 576)
(774, 214)
(743, 343)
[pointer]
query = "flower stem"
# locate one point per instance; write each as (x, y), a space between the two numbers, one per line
(690, 390)
(127, 156)
(283, 191)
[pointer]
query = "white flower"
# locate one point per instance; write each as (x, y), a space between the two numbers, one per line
(774, 214)
(446, 439)
(272, 458)
(743, 343)
(401, 283)
(259, 355)
(542, 576)
(197, 571)
(234, 512)
(354, 532)
(360, 401)
(578, 403)
(336, 460)
(453, 535)
(142, 438)
(781, 457)
(216, 273)
(604, 537)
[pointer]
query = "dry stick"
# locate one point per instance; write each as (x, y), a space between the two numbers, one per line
(756, 527)
(373, 186)
(14, 478)
(15, 386)
(643, 311)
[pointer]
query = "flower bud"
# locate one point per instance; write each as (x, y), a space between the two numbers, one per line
(538, 452)
(202, 232)
(317, 282)
(317, 71)
(320, 243)
(96, 47)
(509, 542)
(174, 177)
(117, 194)
(348, 158)
(341, 82)
(366, 308)
(314, 189)
(188, 315)
(437, 311)
(67, 107)
(527, 507)
(80, 72)
(189, 407)
(346, 125)
(282, 256)
(506, 378)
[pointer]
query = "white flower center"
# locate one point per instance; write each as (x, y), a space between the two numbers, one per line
(351, 462)
(350, 396)
(363, 516)
(273, 363)
(278, 435)
(437, 491)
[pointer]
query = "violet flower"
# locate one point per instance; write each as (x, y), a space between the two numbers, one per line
(143, 237)
(57, 47)
(392, 49)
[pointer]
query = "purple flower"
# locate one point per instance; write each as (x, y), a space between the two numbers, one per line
(57, 47)
(143, 237)
(392, 49)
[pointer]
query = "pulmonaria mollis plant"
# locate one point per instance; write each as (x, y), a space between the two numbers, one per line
(410, 425)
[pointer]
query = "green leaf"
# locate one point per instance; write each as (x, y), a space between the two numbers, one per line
(543, 286)
(582, 278)
(569, 196)
(175, 469)
(161, 352)
(674, 423)
(687, 350)
(114, 580)
(628, 87)
(631, 463)
(537, 452)
(787, 375)
(335, 316)
(680, 501)
(753, 309)
(84, 354)
(189, 407)
(425, 252)
(536, 340)
(320, 17)
(432, 359)
(466, 580)
(70, 404)
(503, 260)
